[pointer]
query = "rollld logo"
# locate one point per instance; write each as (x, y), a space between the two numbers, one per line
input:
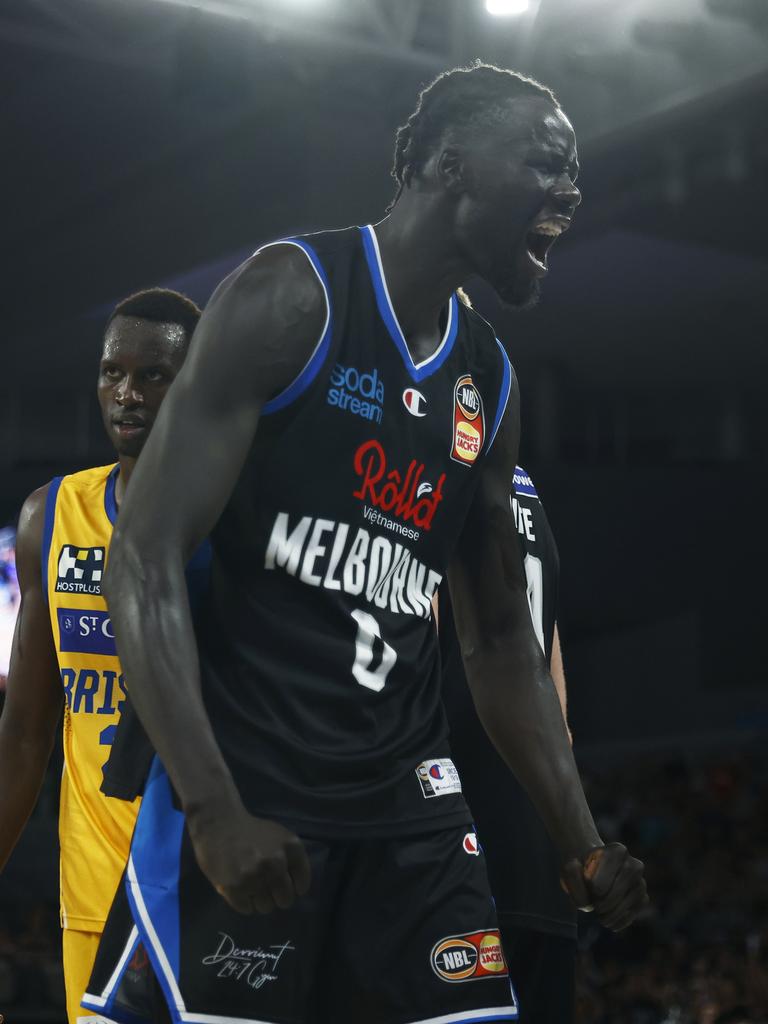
(404, 495)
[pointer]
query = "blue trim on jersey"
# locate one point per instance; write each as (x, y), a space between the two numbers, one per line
(417, 371)
(316, 360)
(506, 387)
(50, 515)
(522, 483)
(110, 504)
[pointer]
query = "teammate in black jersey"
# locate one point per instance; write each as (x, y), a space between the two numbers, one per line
(536, 919)
(346, 430)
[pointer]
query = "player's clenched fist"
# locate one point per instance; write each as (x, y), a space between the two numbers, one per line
(609, 881)
(256, 865)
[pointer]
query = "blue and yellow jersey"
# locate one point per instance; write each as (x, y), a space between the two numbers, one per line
(94, 830)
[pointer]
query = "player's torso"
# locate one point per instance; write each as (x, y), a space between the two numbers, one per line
(94, 830)
(338, 534)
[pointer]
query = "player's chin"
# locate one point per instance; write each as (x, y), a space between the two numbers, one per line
(129, 447)
(519, 292)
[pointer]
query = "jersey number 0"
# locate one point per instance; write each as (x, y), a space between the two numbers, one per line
(367, 632)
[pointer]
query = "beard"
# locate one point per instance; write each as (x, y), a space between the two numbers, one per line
(519, 292)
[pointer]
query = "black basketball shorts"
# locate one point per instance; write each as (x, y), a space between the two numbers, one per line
(392, 931)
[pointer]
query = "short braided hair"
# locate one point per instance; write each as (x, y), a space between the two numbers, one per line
(462, 98)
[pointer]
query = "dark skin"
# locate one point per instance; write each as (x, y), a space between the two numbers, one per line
(140, 359)
(469, 211)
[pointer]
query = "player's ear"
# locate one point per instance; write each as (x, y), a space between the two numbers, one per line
(452, 170)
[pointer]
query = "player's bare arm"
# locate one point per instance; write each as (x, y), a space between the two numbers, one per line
(514, 693)
(34, 694)
(253, 339)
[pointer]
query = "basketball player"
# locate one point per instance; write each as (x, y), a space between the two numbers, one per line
(64, 649)
(346, 431)
(536, 918)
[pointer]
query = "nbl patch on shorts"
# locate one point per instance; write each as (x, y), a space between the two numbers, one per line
(438, 778)
(469, 957)
(80, 570)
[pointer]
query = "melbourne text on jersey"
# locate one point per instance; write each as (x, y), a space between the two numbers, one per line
(324, 553)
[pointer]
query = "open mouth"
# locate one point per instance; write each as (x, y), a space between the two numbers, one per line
(541, 239)
(128, 426)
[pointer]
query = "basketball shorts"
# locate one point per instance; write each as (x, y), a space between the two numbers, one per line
(392, 931)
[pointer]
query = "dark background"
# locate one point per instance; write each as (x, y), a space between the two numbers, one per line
(146, 142)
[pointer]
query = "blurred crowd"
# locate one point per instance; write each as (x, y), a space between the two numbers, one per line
(700, 953)
(9, 599)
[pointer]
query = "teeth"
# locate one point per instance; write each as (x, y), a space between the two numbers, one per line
(549, 227)
(537, 261)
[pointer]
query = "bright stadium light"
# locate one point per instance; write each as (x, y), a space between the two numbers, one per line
(503, 8)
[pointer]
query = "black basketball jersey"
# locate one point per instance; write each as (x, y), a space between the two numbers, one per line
(523, 864)
(318, 649)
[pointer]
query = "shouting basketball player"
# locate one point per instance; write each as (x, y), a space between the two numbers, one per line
(347, 432)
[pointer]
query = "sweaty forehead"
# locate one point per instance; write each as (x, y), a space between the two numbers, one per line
(534, 120)
(145, 340)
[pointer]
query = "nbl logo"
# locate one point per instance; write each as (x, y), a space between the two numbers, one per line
(469, 956)
(80, 570)
(468, 421)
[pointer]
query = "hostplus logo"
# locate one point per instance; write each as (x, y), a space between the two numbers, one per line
(79, 570)
(362, 394)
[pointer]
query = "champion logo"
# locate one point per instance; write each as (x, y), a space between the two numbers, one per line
(470, 844)
(414, 402)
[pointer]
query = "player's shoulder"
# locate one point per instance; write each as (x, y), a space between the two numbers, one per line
(40, 505)
(299, 253)
(32, 513)
(523, 484)
(477, 323)
(484, 340)
(84, 482)
(337, 240)
(282, 275)
(30, 531)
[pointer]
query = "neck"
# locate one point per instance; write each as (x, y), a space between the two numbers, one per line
(127, 463)
(421, 262)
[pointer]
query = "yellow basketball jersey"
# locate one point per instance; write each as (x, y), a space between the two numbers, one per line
(94, 830)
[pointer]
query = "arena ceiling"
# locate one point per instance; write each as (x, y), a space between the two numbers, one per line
(144, 136)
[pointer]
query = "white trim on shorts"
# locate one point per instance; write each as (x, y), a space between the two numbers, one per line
(116, 974)
(489, 1013)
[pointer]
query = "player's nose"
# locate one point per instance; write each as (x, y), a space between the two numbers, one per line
(128, 393)
(566, 194)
